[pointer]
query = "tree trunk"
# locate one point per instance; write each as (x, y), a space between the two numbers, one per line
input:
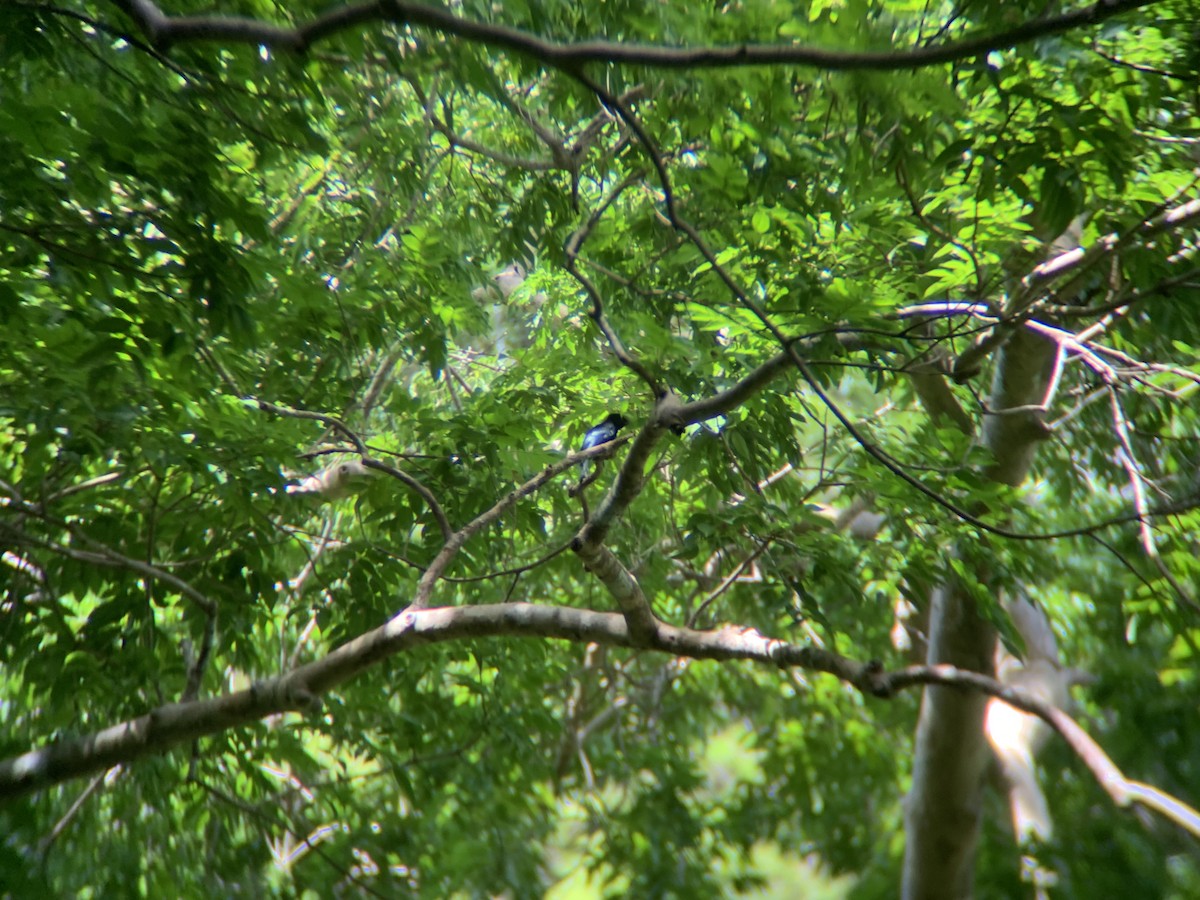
(942, 814)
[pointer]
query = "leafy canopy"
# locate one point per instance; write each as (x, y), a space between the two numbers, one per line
(199, 241)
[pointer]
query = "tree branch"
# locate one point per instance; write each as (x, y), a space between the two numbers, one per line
(103, 555)
(368, 461)
(164, 31)
(426, 494)
(1122, 791)
(573, 246)
(455, 541)
(603, 563)
(172, 724)
(1075, 259)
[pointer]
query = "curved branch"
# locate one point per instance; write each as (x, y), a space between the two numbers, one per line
(175, 723)
(103, 555)
(1122, 791)
(163, 31)
(368, 461)
(884, 459)
(458, 539)
(411, 482)
(332, 422)
(1074, 259)
(571, 251)
(731, 398)
(172, 724)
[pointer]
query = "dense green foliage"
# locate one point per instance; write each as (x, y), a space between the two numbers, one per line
(184, 234)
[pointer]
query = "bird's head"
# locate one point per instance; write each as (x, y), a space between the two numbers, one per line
(509, 279)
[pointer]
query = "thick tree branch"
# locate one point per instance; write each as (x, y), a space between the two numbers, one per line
(163, 31)
(937, 397)
(625, 489)
(172, 724)
(732, 397)
(1122, 790)
(602, 563)
(945, 801)
(942, 809)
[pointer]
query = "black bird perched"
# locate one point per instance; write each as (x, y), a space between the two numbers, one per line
(600, 434)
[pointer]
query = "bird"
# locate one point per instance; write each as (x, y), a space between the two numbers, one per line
(509, 279)
(500, 285)
(509, 322)
(600, 434)
(334, 482)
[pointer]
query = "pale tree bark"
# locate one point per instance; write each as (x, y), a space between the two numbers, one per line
(942, 815)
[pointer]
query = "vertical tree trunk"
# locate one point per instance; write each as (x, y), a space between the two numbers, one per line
(942, 813)
(942, 816)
